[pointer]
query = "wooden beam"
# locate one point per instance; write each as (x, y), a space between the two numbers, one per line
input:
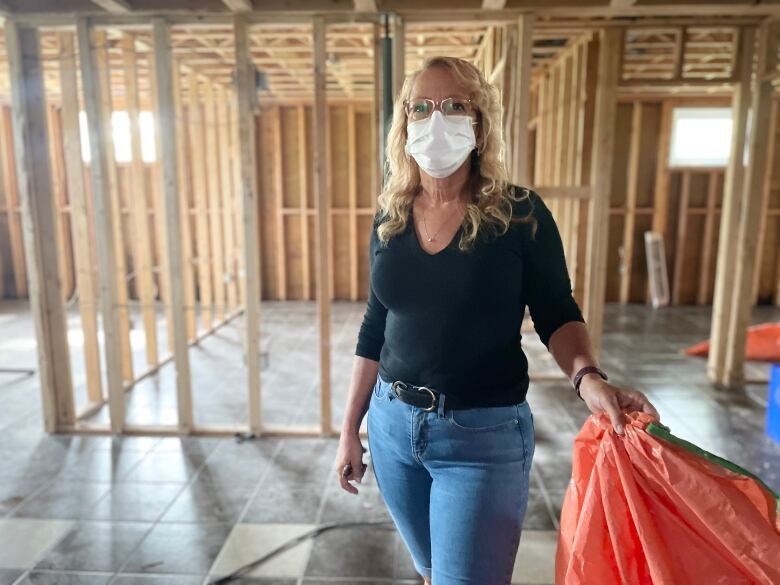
(730, 209)
(246, 91)
(322, 199)
(166, 131)
(239, 6)
(114, 6)
(28, 103)
(522, 100)
(631, 199)
(103, 213)
(226, 196)
(79, 216)
(139, 209)
(200, 194)
(750, 208)
(398, 29)
(214, 201)
(493, 4)
(185, 188)
(103, 78)
(610, 51)
(365, 5)
(303, 179)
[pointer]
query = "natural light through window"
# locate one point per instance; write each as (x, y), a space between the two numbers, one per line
(120, 130)
(701, 137)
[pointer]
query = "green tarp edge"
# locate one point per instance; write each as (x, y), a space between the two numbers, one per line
(663, 432)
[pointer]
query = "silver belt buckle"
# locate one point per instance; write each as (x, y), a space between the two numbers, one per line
(433, 399)
(398, 383)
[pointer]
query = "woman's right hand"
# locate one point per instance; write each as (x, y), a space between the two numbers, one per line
(350, 453)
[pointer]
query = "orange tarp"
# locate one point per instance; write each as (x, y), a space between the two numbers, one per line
(649, 508)
(763, 344)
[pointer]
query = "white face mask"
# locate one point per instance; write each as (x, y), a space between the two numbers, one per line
(439, 144)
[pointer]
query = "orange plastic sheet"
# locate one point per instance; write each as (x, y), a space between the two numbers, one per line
(762, 344)
(651, 508)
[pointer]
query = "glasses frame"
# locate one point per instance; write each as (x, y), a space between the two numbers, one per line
(437, 104)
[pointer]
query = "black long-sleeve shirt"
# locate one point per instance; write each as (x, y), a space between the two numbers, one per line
(451, 320)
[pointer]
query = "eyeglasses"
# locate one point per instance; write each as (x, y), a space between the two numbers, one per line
(422, 108)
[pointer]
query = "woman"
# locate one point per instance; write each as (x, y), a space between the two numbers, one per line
(456, 255)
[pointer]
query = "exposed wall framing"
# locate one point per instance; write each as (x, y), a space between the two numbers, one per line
(268, 192)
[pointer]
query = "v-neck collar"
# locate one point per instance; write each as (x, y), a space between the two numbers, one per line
(416, 240)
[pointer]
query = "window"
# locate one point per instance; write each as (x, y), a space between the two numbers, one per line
(701, 137)
(120, 132)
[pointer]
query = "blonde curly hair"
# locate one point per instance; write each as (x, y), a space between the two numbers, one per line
(490, 211)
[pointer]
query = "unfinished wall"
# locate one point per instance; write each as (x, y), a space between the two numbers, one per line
(683, 203)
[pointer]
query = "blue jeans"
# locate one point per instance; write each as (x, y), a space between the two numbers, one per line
(455, 483)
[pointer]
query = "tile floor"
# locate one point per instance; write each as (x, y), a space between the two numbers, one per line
(148, 510)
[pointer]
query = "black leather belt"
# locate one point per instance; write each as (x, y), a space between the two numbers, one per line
(424, 397)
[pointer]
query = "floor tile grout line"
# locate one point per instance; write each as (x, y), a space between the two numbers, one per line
(248, 503)
(547, 500)
(154, 524)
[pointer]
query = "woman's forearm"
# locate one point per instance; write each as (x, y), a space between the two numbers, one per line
(364, 373)
(570, 346)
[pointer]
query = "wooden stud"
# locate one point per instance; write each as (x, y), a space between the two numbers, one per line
(183, 165)
(354, 295)
(729, 217)
(215, 211)
(57, 166)
(102, 63)
(322, 199)
(281, 238)
(200, 191)
(226, 196)
(303, 177)
(682, 233)
(610, 50)
(28, 104)
(702, 296)
(245, 80)
(750, 209)
(105, 241)
(139, 211)
(12, 204)
(79, 216)
(398, 31)
(765, 190)
(629, 226)
(166, 131)
(158, 209)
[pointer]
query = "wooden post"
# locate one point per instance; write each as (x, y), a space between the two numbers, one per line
(214, 207)
(102, 73)
(28, 103)
(226, 196)
(79, 216)
(185, 188)
(12, 203)
(246, 92)
(610, 51)
(322, 199)
(750, 208)
(104, 236)
(139, 207)
(199, 189)
(399, 45)
(166, 131)
(631, 199)
(729, 218)
(522, 101)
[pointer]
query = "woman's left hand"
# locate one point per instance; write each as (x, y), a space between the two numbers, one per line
(600, 396)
